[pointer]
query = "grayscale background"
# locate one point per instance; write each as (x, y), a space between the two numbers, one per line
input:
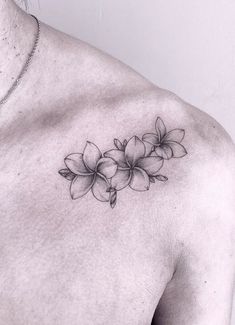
(183, 45)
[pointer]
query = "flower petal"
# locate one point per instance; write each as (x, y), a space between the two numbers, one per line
(121, 179)
(160, 128)
(81, 185)
(139, 180)
(178, 150)
(175, 135)
(91, 155)
(99, 189)
(118, 156)
(75, 163)
(107, 167)
(150, 164)
(134, 150)
(149, 148)
(164, 151)
(151, 138)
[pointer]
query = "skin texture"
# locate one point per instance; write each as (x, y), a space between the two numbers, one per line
(169, 250)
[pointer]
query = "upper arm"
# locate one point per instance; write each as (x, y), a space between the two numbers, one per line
(201, 289)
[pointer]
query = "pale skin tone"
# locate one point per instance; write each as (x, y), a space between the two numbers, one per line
(170, 249)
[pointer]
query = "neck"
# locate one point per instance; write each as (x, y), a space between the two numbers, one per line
(16, 36)
(10, 16)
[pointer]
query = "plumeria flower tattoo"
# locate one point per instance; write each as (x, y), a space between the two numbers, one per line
(134, 163)
(166, 144)
(89, 171)
(134, 169)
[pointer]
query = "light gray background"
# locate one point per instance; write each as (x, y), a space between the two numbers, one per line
(183, 45)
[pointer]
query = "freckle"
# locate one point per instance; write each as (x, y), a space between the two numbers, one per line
(18, 174)
(205, 281)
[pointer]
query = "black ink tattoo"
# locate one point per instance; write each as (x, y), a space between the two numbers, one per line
(135, 163)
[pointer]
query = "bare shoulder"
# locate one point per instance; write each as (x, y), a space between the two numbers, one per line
(106, 100)
(206, 175)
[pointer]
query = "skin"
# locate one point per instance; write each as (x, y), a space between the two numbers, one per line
(168, 251)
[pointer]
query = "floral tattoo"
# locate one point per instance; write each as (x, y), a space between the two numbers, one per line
(134, 163)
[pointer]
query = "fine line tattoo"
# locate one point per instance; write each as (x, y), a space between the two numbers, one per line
(134, 163)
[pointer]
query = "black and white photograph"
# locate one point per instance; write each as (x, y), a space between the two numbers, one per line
(117, 162)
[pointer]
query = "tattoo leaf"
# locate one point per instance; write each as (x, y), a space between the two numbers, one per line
(161, 178)
(118, 144)
(66, 173)
(124, 143)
